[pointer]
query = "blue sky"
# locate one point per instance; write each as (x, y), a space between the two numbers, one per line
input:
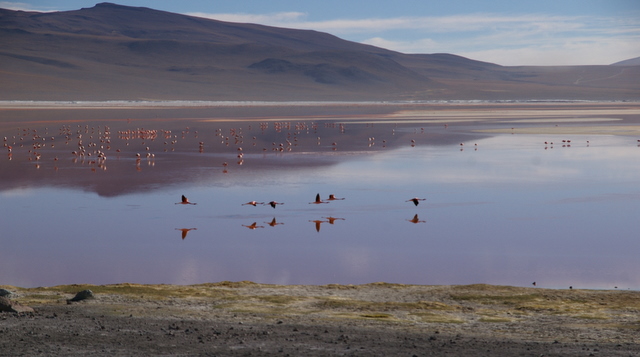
(506, 32)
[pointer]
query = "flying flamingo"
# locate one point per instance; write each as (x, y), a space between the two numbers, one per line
(416, 200)
(185, 201)
(274, 204)
(318, 200)
(333, 197)
(253, 203)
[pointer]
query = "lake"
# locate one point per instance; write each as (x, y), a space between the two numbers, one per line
(98, 200)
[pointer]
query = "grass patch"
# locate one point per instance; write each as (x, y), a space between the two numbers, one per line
(136, 291)
(499, 299)
(376, 316)
(431, 317)
(360, 305)
(494, 319)
(276, 299)
(592, 317)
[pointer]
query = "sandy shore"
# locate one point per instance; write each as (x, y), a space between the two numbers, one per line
(233, 319)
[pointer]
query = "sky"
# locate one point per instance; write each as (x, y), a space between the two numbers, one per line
(505, 32)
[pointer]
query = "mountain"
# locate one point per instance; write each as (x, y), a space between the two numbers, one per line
(629, 62)
(111, 52)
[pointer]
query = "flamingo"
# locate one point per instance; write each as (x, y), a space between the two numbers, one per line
(274, 204)
(416, 200)
(318, 200)
(185, 231)
(333, 197)
(253, 203)
(185, 201)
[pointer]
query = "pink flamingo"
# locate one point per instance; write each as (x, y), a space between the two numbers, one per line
(416, 200)
(274, 204)
(185, 231)
(318, 200)
(185, 201)
(253, 203)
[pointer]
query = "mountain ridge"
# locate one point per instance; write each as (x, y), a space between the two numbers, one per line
(112, 51)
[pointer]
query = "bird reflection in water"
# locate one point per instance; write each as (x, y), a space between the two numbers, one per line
(273, 222)
(415, 219)
(331, 220)
(185, 231)
(253, 225)
(318, 222)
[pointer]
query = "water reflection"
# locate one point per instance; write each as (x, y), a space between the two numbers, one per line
(513, 210)
(253, 225)
(273, 222)
(332, 220)
(318, 223)
(185, 231)
(415, 219)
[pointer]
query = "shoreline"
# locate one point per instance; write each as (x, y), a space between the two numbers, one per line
(238, 318)
(222, 103)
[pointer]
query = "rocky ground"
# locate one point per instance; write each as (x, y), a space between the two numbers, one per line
(247, 319)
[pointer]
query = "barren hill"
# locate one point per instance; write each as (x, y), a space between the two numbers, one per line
(112, 52)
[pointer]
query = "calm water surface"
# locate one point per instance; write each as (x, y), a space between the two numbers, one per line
(509, 210)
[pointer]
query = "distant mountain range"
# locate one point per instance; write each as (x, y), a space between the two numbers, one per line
(111, 52)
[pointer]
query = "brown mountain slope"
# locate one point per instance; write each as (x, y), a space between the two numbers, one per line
(629, 62)
(118, 52)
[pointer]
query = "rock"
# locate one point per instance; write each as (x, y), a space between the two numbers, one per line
(7, 305)
(5, 293)
(82, 295)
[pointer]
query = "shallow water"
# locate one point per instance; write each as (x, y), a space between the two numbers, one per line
(509, 210)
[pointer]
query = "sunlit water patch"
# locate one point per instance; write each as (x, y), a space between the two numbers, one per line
(507, 209)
